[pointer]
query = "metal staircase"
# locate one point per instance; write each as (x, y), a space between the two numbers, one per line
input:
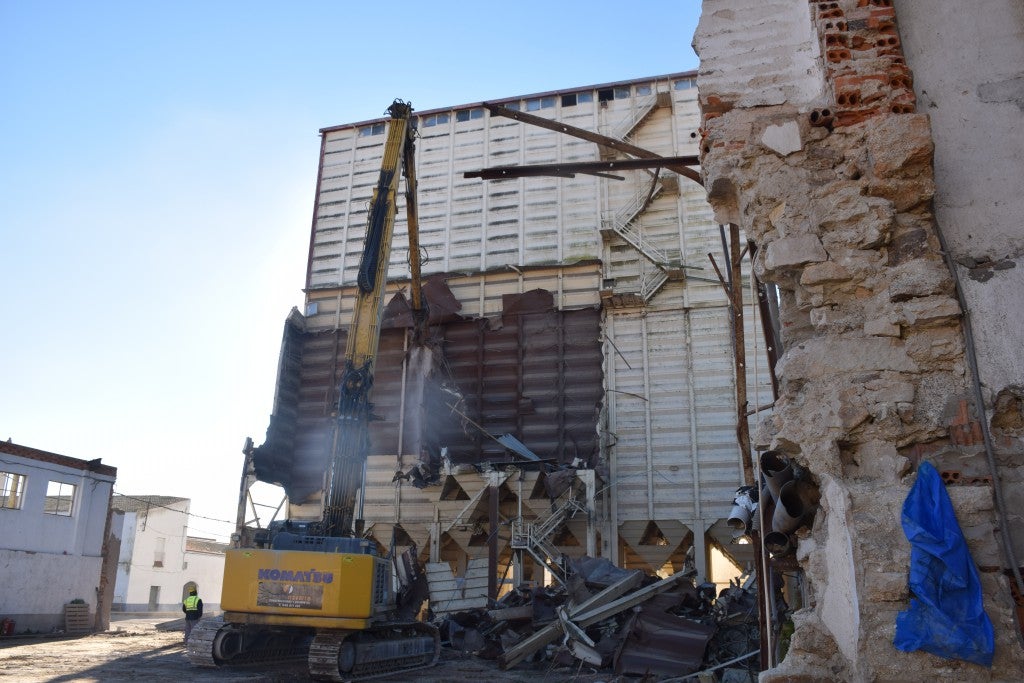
(645, 106)
(536, 538)
(623, 222)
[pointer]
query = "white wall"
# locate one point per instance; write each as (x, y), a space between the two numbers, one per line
(38, 585)
(157, 529)
(974, 95)
(207, 571)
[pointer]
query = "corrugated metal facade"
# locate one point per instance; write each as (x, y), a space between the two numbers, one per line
(663, 424)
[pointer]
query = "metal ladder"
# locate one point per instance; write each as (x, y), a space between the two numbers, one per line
(536, 537)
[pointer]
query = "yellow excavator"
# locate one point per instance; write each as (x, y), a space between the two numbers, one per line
(316, 588)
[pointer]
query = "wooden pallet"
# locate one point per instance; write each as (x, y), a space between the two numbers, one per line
(76, 618)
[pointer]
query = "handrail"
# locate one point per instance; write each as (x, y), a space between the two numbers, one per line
(643, 107)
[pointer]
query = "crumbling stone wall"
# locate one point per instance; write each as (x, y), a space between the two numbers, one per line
(812, 144)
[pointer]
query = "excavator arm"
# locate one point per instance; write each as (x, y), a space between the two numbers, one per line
(350, 442)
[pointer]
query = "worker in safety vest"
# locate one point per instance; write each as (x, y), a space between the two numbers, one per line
(192, 606)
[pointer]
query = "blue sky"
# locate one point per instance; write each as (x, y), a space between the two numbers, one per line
(157, 168)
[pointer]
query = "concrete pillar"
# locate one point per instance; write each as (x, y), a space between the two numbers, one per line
(589, 480)
(700, 549)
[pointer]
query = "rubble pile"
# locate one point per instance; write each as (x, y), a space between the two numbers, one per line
(610, 619)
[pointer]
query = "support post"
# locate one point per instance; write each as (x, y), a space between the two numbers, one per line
(492, 537)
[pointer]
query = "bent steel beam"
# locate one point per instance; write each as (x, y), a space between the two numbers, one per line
(618, 145)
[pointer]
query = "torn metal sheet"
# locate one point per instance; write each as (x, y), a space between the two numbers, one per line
(516, 446)
(584, 653)
(663, 645)
(599, 571)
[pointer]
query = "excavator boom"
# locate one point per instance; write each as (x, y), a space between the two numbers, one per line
(350, 442)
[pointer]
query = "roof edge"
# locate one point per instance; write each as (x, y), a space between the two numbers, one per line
(516, 98)
(39, 455)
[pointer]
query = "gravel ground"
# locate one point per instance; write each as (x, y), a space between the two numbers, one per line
(134, 649)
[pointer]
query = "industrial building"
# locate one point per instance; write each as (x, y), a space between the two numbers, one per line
(578, 325)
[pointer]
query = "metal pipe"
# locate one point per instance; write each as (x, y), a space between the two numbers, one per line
(972, 363)
(789, 511)
(778, 543)
(697, 674)
(777, 472)
(492, 538)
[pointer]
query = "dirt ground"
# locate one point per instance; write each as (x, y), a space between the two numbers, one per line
(134, 649)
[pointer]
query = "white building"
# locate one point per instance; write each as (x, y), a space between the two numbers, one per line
(158, 561)
(53, 516)
(586, 319)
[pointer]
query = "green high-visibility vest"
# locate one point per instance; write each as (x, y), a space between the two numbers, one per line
(192, 603)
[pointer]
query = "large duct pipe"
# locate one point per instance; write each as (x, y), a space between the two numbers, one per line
(739, 517)
(777, 471)
(797, 500)
(779, 544)
(743, 507)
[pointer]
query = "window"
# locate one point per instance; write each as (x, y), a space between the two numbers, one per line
(514, 106)
(467, 114)
(374, 129)
(572, 99)
(436, 119)
(685, 84)
(540, 103)
(60, 499)
(12, 490)
(158, 552)
(643, 90)
(609, 94)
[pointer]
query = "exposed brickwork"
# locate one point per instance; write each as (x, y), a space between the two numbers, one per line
(865, 64)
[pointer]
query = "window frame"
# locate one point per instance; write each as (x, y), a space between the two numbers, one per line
(15, 491)
(436, 119)
(372, 129)
(58, 510)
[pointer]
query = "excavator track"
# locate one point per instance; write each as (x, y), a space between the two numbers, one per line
(348, 656)
(215, 643)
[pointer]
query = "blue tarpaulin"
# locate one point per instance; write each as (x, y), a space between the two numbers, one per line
(946, 616)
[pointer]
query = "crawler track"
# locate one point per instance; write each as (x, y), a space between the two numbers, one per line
(214, 643)
(360, 655)
(331, 655)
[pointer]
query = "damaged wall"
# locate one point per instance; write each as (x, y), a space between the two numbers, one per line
(813, 141)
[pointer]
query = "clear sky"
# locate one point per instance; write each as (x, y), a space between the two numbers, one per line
(157, 168)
